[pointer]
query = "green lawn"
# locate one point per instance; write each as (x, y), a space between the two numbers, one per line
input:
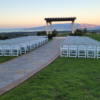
(6, 58)
(96, 37)
(64, 79)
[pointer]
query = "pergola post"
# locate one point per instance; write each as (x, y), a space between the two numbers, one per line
(50, 28)
(47, 27)
(73, 27)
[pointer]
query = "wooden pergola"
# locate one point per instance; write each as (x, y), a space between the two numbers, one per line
(50, 20)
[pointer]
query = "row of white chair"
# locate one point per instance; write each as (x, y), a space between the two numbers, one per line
(78, 40)
(21, 47)
(22, 40)
(78, 46)
(89, 51)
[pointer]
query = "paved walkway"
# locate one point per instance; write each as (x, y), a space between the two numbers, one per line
(19, 67)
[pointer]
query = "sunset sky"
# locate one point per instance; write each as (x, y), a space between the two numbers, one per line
(31, 13)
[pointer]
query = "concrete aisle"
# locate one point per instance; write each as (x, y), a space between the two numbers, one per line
(17, 68)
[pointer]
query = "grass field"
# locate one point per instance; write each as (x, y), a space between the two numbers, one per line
(64, 79)
(96, 37)
(6, 58)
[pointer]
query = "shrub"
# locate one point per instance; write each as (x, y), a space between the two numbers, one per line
(3, 37)
(6, 37)
(71, 34)
(85, 30)
(41, 33)
(0, 37)
(54, 33)
(50, 36)
(78, 32)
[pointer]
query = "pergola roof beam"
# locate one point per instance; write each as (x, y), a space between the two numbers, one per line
(60, 19)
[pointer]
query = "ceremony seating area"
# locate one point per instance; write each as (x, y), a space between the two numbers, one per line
(78, 46)
(16, 46)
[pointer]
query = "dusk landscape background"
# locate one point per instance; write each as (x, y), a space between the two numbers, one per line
(31, 13)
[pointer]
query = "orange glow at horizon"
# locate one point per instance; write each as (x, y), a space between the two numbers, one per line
(29, 23)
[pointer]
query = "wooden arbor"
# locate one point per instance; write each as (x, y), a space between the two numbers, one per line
(49, 20)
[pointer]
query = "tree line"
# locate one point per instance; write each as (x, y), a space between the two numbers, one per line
(10, 35)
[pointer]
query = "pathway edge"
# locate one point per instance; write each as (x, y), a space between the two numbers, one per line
(26, 77)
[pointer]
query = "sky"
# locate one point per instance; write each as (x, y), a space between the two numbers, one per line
(31, 13)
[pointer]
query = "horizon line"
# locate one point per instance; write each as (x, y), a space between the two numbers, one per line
(45, 25)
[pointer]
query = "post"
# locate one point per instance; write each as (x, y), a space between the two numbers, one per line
(73, 27)
(50, 28)
(47, 28)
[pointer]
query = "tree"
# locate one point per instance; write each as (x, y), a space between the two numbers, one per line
(78, 32)
(50, 36)
(54, 33)
(85, 30)
(44, 32)
(41, 33)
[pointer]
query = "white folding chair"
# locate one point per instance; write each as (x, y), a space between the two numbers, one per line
(82, 51)
(72, 50)
(23, 48)
(36, 43)
(98, 51)
(64, 51)
(7, 50)
(46, 39)
(1, 50)
(91, 51)
(15, 50)
(33, 45)
(29, 45)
